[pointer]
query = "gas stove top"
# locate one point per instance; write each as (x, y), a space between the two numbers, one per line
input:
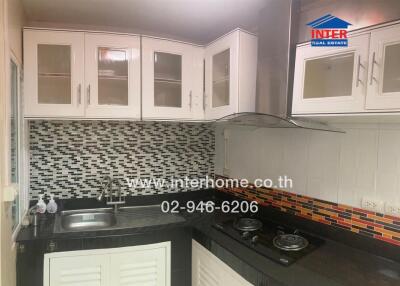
(281, 244)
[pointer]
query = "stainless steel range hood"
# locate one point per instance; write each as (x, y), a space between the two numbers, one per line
(277, 38)
(273, 121)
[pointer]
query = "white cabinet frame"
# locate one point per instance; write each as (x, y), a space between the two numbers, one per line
(196, 76)
(340, 104)
(242, 75)
(376, 98)
(230, 42)
(32, 38)
(189, 75)
(131, 44)
(207, 269)
(109, 261)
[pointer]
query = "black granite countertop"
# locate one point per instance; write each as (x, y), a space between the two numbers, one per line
(333, 264)
(46, 231)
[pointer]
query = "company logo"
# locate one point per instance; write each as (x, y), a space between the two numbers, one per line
(329, 31)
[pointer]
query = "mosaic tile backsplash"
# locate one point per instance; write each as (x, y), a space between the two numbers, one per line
(70, 158)
(374, 225)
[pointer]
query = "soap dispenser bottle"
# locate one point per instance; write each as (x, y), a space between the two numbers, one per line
(52, 205)
(41, 205)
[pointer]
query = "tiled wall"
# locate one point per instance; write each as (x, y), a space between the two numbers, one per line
(366, 223)
(340, 168)
(70, 158)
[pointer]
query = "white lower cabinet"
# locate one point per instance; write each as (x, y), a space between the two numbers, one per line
(140, 267)
(209, 270)
(144, 265)
(79, 269)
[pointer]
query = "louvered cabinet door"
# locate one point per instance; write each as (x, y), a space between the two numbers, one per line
(209, 270)
(78, 270)
(146, 267)
(205, 270)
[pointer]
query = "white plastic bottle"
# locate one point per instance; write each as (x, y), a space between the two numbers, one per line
(41, 205)
(52, 205)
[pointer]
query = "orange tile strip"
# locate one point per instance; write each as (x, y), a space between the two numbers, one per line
(374, 225)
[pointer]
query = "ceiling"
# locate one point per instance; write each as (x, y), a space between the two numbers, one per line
(197, 21)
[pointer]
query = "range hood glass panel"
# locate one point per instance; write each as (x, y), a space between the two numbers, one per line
(264, 120)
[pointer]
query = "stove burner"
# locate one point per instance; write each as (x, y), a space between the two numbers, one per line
(247, 224)
(290, 242)
(267, 240)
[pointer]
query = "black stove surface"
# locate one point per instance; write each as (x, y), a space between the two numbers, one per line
(261, 240)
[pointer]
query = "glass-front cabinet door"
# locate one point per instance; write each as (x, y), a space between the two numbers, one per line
(221, 77)
(14, 140)
(54, 63)
(168, 78)
(384, 70)
(331, 80)
(112, 76)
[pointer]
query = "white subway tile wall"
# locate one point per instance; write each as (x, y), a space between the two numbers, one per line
(342, 168)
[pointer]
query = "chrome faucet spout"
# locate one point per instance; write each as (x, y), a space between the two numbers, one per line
(106, 188)
(108, 191)
(33, 215)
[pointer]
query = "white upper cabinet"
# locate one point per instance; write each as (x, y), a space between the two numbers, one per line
(384, 70)
(54, 74)
(362, 78)
(85, 75)
(71, 74)
(331, 80)
(172, 76)
(112, 76)
(230, 75)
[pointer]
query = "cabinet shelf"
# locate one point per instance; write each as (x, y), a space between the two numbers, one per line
(221, 80)
(52, 75)
(167, 80)
(121, 77)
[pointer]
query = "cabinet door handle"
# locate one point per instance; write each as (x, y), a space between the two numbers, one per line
(372, 69)
(359, 65)
(88, 95)
(190, 100)
(21, 248)
(79, 94)
(204, 101)
(52, 246)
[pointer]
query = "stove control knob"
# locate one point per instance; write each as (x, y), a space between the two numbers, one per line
(254, 239)
(284, 261)
(219, 226)
(246, 235)
(280, 232)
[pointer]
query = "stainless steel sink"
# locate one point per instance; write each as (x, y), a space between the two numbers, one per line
(105, 219)
(83, 220)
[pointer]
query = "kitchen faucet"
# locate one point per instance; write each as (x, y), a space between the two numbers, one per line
(107, 191)
(33, 215)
